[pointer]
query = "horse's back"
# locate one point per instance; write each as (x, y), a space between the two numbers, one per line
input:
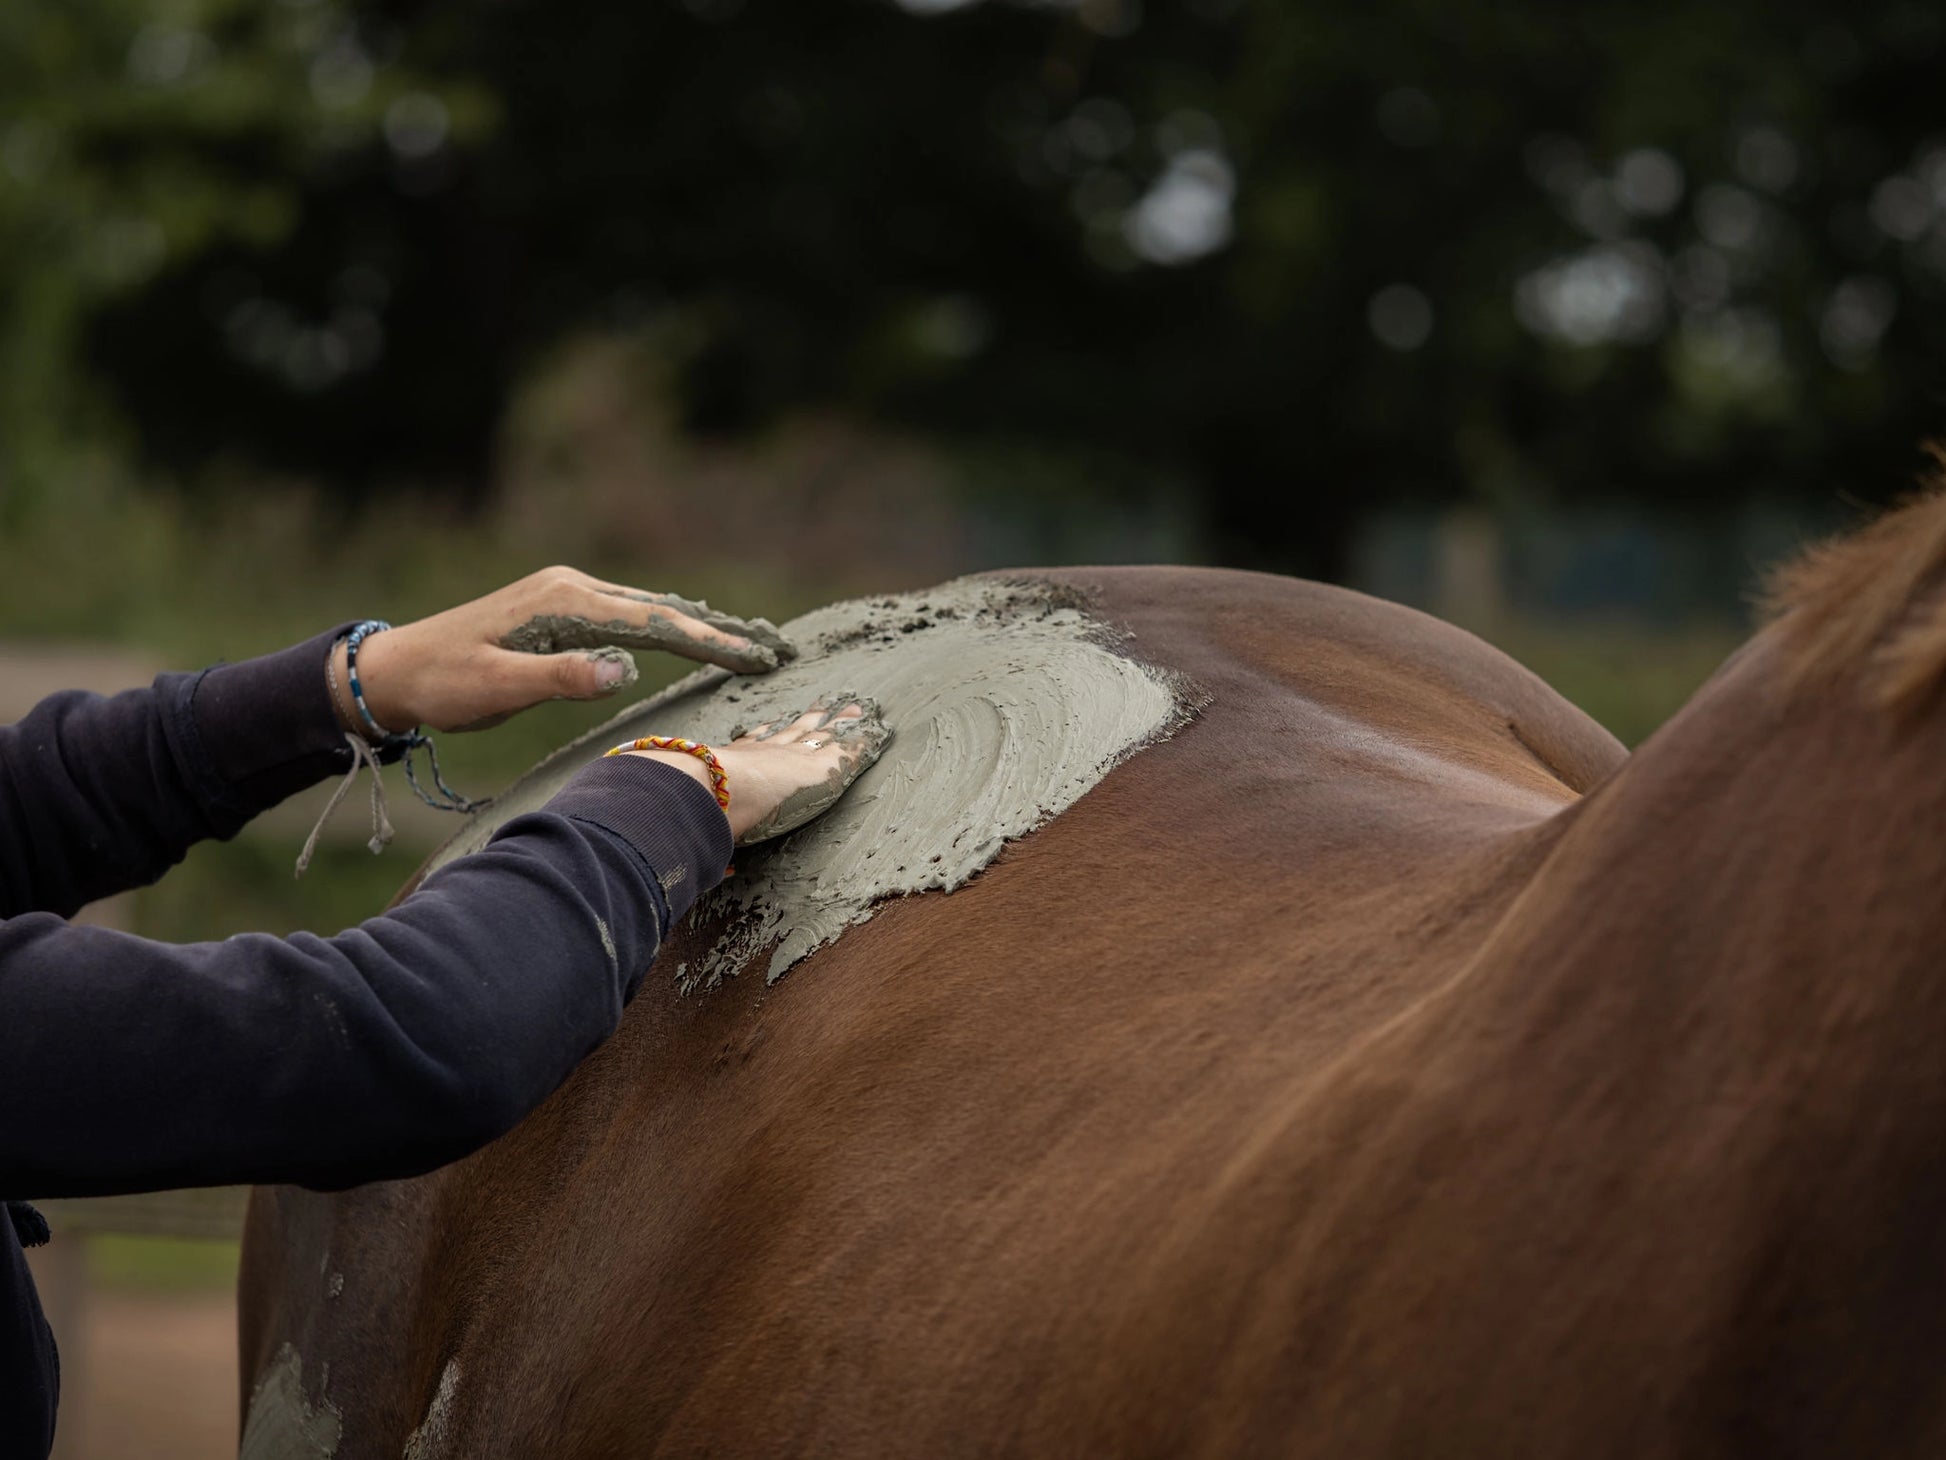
(975, 1177)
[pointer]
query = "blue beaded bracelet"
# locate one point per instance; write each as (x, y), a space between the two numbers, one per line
(380, 735)
(402, 741)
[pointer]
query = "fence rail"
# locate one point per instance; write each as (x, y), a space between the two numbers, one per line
(215, 1213)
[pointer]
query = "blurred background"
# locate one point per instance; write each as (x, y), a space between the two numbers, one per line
(1563, 322)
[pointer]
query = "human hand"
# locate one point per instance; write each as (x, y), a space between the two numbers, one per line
(782, 774)
(555, 634)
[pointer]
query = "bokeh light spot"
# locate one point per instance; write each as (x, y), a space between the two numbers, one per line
(1648, 182)
(168, 55)
(1902, 208)
(1614, 293)
(1766, 159)
(1186, 213)
(1729, 217)
(1855, 319)
(416, 125)
(1400, 316)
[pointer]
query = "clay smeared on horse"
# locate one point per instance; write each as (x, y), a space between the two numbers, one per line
(1009, 701)
(1383, 1065)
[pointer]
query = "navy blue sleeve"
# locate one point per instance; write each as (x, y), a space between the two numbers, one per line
(383, 1052)
(99, 795)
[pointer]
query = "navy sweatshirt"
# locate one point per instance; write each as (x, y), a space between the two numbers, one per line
(390, 1049)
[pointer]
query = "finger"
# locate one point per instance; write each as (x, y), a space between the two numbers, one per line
(832, 720)
(804, 727)
(592, 619)
(841, 713)
(526, 679)
(760, 631)
(789, 729)
(694, 639)
(784, 729)
(863, 746)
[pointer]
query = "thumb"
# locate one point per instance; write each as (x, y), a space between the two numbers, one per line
(586, 675)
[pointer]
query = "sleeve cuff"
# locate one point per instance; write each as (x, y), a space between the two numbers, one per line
(672, 823)
(266, 726)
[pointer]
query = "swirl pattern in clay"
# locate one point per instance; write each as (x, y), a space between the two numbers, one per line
(1008, 701)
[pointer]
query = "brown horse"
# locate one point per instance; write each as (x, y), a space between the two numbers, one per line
(1384, 1065)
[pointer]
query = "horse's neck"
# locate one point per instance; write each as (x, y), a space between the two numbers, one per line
(1732, 958)
(1669, 1136)
(1758, 863)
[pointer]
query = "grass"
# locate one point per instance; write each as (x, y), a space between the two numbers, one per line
(227, 578)
(165, 1266)
(246, 886)
(1629, 677)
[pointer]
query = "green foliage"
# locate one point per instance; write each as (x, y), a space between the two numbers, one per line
(201, 578)
(135, 140)
(1300, 260)
(1629, 677)
(247, 887)
(162, 1265)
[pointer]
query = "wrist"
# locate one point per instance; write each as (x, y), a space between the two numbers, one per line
(375, 673)
(336, 669)
(678, 760)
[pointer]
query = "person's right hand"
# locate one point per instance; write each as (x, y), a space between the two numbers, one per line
(786, 772)
(474, 665)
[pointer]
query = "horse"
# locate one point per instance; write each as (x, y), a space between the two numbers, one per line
(1376, 1061)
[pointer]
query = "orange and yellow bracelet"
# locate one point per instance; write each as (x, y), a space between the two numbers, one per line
(719, 778)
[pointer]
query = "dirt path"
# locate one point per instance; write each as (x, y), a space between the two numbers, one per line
(157, 1380)
(144, 1375)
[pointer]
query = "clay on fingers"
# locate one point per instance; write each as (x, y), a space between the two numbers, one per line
(832, 706)
(760, 631)
(608, 653)
(864, 737)
(552, 633)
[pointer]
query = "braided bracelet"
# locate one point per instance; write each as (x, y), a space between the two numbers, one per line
(331, 681)
(358, 636)
(719, 778)
(403, 741)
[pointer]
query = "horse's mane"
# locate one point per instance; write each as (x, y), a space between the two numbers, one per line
(1862, 604)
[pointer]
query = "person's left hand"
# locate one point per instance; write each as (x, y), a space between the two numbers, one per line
(556, 634)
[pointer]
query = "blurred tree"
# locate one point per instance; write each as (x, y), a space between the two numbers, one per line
(1305, 258)
(139, 143)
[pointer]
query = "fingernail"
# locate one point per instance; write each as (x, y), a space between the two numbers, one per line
(609, 673)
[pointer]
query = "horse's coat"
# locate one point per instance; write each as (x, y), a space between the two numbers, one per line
(1335, 1079)
(1860, 607)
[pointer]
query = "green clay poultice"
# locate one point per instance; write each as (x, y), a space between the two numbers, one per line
(283, 1424)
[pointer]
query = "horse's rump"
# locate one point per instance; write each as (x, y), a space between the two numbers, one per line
(1001, 1170)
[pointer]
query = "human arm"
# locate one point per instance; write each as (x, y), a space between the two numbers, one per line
(98, 795)
(101, 794)
(385, 1051)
